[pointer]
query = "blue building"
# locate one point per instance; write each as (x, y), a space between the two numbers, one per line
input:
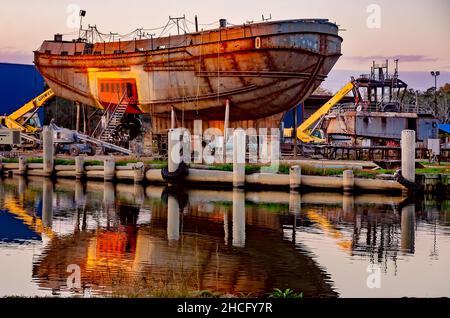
(19, 84)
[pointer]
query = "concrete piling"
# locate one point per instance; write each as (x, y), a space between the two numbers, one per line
(348, 181)
(109, 169)
(80, 172)
(226, 125)
(409, 155)
(139, 172)
(173, 156)
(49, 151)
(173, 122)
(239, 153)
(22, 166)
(295, 177)
(197, 141)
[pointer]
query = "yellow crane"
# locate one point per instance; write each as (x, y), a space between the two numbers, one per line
(25, 118)
(306, 130)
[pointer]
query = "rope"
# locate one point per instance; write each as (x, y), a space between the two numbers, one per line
(199, 70)
(175, 177)
(413, 186)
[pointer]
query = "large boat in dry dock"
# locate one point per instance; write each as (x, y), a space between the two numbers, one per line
(263, 69)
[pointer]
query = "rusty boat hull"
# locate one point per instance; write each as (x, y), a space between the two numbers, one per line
(263, 69)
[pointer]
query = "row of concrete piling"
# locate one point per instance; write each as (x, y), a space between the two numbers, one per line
(139, 173)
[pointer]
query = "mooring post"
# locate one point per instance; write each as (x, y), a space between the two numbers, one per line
(409, 155)
(109, 168)
(49, 151)
(348, 181)
(408, 228)
(173, 219)
(79, 168)
(239, 153)
(238, 218)
(197, 141)
(226, 124)
(139, 172)
(173, 122)
(22, 166)
(173, 156)
(295, 177)
(77, 125)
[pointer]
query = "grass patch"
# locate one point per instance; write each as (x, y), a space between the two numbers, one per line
(93, 163)
(156, 164)
(64, 162)
(124, 163)
(35, 160)
(10, 160)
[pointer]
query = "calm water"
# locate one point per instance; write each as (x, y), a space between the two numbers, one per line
(131, 240)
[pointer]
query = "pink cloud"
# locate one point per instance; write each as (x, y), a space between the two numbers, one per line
(402, 58)
(14, 56)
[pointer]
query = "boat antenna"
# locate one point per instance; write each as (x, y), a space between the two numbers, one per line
(264, 19)
(177, 22)
(196, 24)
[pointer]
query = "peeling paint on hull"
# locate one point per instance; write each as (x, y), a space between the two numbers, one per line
(263, 69)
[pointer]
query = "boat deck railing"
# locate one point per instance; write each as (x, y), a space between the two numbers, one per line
(384, 107)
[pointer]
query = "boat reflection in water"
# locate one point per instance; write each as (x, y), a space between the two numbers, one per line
(128, 240)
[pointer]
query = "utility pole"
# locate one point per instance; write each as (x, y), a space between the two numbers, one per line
(435, 74)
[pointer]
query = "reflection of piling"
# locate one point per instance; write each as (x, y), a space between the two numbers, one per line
(408, 228)
(226, 226)
(49, 152)
(238, 218)
(109, 195)
(295, 203)
(139, 194)
(22, 186)
(47, 203)
(173, 219)
(239, 153)
(348, 203)
(80, 198)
